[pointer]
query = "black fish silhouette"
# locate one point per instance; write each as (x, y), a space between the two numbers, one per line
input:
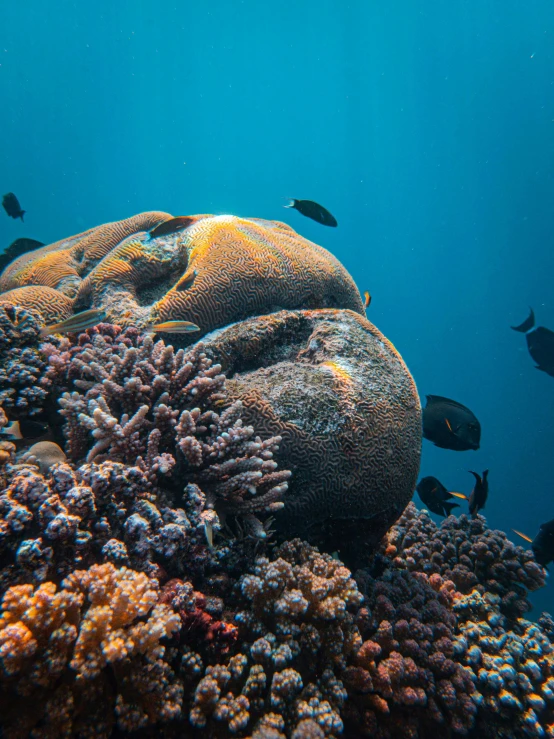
(543, 543)
(19, 247)
(450, 425)
(315, 211)
(171, 226)
(540, 342)
(24, 429)
(435, 496)
(479, 494)
(11, 206)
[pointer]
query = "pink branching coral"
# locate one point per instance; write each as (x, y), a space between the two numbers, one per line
(87, 656)
(137, 401)
(465, 551)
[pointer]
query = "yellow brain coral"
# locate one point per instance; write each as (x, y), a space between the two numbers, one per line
(241, 267)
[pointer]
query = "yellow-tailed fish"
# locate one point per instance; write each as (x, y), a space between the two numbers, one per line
(367, 300)
(74, 324)
(458, 495)
(523, 536)
(186, 280)
(172, 327)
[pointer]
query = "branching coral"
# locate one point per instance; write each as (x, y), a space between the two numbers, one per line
(21, 364)
(465, 551)
(139, 402)
(77, 660)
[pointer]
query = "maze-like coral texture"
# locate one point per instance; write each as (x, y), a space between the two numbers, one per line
(242, 267)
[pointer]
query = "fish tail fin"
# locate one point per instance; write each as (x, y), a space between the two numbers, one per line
(292, 203)
(449, 506)
(475, 475)
(485, 475)
(459, 495)
(13, 430)
(527, 324)
(22, 214)
(523, 536)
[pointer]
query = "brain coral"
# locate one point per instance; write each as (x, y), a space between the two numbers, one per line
(243, 267)
(347, 411)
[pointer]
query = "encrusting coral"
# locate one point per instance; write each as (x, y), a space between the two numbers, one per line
(79, 659)
(467, 552)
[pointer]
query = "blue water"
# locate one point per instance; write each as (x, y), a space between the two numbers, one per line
(426, 128)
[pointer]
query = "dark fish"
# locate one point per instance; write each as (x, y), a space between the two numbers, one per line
(24, 429)
(479, 494)
(171, 226)
(19, 247)
(450, 425)
(540, 342)
(12, 207)
(435, 496)
(312, 210)
(75, 324)
(543, 543)
(186, 280)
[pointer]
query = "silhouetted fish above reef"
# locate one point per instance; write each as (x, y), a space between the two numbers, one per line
(11, 206)
(450, 425)
(540, 342)
(435, 496)
(543, 543)
(19, 247)
(313, 210)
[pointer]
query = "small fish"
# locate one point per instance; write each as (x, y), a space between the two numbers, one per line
(435, 496)
(75, 324)
(367, 300)
(479, 494)
(171, 226)
(172, 327)
(450, 425)
(543, 543)
(19, 247)
(24, 430)
(186, 280)
(540, 343)
(12, 207)
(314, 211)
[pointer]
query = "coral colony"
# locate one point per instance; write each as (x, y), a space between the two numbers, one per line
(171, 551)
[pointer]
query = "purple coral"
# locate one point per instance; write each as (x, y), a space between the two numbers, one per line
(465, 551)
(137, 401)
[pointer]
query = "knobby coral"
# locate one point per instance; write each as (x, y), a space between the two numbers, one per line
(467, 552)
(74, 661)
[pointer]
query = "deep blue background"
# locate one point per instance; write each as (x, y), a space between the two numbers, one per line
(428, 133)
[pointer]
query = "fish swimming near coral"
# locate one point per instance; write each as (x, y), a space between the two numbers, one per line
(479, 494)
(543, 543)
(172, 226)
(12, 207)
(540, 342)
(450, 425)
(435, 496)
(172, 327)
(186, 280)
(24, 429)
(75, 324)
(16, 249)
(367, 300)
(313, 210)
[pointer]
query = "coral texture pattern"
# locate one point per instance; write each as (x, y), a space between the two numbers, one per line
(242, 267)
(347, 411)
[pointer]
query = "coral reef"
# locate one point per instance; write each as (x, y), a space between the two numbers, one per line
(132, 276)
(21, 364)
(465, 551)
(140, 402)
(348, 414)
(79, 659)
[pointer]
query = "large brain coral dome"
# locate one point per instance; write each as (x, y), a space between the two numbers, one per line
(243, 267)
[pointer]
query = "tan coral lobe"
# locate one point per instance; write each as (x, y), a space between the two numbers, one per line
(244, 267)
